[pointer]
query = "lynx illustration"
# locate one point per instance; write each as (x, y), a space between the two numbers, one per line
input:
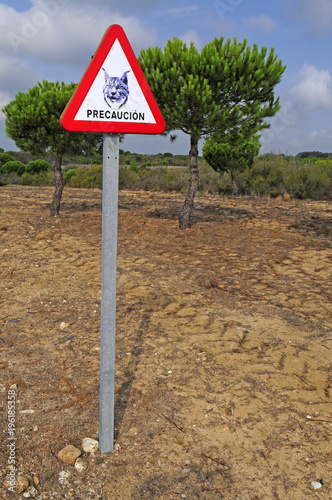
(116, 90)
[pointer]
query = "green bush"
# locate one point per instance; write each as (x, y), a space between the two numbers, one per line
(38, 179)
(270, 175)
(12, 166)
(37, 166)
(5, 157)
(274, 175)
(11, 178)
(133, 166)
(127, 178)
(69, 174)
(213, 182)
(78, 160)
(86, 177)
(165, 163)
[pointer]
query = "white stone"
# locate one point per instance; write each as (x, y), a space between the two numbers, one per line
(65, 474)
(90, 445)
(80, 465)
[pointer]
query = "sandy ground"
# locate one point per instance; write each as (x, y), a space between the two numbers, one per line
(224, 346)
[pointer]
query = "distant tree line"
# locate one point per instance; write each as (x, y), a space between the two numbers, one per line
(313, 154)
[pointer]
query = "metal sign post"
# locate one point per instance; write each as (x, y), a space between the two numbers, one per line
(97, 105)
(108, 290)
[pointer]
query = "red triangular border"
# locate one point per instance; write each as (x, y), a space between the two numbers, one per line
(67, 121)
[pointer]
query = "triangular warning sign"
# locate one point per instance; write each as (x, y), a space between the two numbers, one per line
(113, 95)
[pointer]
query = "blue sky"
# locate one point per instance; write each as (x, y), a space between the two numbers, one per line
(55, 39)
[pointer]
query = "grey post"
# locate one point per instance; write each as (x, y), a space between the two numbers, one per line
(108, 290)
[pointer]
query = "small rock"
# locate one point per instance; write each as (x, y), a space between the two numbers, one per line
(30, 493)
(22, 483)
(69, 454)
(63, 325)
(8, 483)
(80, 465)
(35, 428)
(64, 475)
(316, 485)
(35, 480)
(90, 445)
(27, 412)
(13, 387)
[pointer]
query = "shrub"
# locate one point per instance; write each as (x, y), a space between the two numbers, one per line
(79, 160)
(12, 166)
(133, 166)
(38, 179)
(86, 177)
(165, 163)
(69, 174)
(274, 175)
(5, 157)
(11, 178)
(37, 166)
(127, 178)
(213, 182)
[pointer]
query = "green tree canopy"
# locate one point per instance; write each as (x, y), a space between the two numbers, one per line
(231, 154)
(227, 87)
(32, 121)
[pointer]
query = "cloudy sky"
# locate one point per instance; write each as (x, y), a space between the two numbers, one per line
(55, 39)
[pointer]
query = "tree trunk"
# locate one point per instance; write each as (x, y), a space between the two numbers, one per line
(59, 185)
(235, 187)
(186, 211)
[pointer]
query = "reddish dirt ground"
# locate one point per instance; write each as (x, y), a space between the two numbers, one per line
(224, 346)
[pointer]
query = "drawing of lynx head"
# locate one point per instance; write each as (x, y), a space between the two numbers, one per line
(116, 90)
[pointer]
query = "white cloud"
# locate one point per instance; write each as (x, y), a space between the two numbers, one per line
(5, 97)
(314, 90)
(321, 136)
(191, 36)
(15, 75)
(186, 10)
(262, 23)
(317, 15)
(47, 30)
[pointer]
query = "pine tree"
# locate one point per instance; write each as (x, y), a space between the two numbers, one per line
(228, 87)
(231, 154)
(32, 121)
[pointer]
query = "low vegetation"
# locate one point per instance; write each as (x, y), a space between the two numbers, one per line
(272, 175)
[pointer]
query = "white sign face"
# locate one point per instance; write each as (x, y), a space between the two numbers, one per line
(115, 94)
